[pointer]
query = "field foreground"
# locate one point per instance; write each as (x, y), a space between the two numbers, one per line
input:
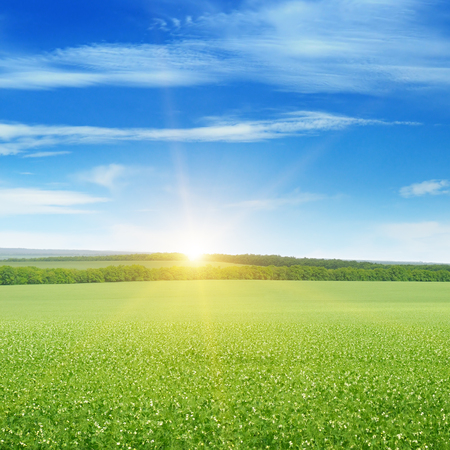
(225, 364)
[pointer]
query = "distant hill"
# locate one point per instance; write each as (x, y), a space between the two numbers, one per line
(401, 263)
(6, 253)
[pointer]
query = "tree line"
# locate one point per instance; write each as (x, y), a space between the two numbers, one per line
(130, 257)
(34, 275)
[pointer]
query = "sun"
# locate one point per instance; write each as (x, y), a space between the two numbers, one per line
(194, 254)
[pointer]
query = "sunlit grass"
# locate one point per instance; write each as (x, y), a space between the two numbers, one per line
(235, 364)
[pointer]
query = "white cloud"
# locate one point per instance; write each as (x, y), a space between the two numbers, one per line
(174, 237)
(414, 231)
(18, 201)
(24, 239)
(431, 187)
(420, 241)
(403, 241)
(185, 64)
(119, 237)
(106, 176)
(299, 45)
(15, 138)
(45, 154)
(274, 203)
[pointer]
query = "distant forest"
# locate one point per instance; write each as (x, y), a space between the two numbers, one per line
(33, 275)
(130, 257)
(288, 261)
(247, 259)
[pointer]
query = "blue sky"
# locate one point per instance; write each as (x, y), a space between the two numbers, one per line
(310, 128)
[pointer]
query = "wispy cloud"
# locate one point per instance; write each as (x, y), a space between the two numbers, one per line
(45, 154)
(427, 241)
(299, 45)
(182, 64)
(273, 203)
(419, 230)
(18, 201)
(106, 176)
(16, 138)
(423, 241)
(431, 187)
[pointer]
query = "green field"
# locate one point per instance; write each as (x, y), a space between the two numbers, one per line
(83, 265)
(225, 364)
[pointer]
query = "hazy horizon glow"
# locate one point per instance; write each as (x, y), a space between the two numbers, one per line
(302, 128)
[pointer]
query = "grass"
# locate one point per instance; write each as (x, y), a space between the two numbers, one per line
(225, 364)
(83, 265)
